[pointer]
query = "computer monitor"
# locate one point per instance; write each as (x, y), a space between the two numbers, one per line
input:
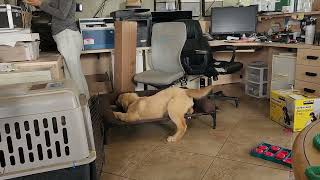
(168, 16)
(233, 20)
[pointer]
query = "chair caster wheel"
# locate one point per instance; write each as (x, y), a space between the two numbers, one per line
(237, 103)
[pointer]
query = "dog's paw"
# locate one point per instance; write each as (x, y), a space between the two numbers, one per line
(190, 111)
(171, 139)
(116, 115)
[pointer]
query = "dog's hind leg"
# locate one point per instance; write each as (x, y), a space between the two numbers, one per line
(177, 108)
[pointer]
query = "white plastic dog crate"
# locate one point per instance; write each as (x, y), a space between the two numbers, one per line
(43, 127)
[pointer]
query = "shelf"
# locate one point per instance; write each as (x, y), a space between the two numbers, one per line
(288, 14)
(239, 51)
(98, 51)
(258, 83)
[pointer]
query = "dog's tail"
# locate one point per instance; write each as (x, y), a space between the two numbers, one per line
(199, 93)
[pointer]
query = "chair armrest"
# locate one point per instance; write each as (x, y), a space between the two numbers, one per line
(195, 52)
(233, 49)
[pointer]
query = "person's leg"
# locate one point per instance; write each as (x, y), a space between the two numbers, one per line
(69, 44)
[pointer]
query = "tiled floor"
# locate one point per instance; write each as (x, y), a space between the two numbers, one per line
(142, 153)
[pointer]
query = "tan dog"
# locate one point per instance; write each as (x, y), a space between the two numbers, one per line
(174, 101)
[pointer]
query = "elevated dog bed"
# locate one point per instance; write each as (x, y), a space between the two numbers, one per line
(202, 107)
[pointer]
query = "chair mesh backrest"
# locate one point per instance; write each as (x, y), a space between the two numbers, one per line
(168, 40)
(193, 27)
(195, 64)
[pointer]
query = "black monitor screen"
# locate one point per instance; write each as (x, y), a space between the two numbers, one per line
(168, 16)
(234, 20)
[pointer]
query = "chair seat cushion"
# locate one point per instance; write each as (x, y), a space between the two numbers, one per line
(157, 77)
(224, 67)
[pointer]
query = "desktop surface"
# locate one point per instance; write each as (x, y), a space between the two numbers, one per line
(215, 43)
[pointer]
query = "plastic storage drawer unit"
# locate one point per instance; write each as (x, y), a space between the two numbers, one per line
(43, 127)
(257, 79)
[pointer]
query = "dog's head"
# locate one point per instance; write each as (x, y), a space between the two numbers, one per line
(124, 100)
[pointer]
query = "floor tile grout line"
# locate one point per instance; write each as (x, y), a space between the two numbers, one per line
(225, 141)
(117, 175)
(229, 134)
(180, 150)
(206, 171)
(214, 158)
(251, 163)
(142, 160)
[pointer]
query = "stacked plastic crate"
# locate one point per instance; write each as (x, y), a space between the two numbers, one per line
(257, 80)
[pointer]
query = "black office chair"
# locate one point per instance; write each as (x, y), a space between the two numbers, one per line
(197, 58)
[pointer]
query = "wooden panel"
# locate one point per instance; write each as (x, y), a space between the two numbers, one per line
(308, 57)
(51, 61)
(302, 85)
(125, 55)
(96, 63)
(8, 78)
(308, 73)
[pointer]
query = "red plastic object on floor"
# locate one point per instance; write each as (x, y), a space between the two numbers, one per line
(275, 148)
(268, 154)
(288, 160)
(280, 156)
(263, 147)
(273, 153)
(259, 151)
(284, 152)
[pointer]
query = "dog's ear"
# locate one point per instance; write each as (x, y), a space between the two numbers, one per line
(122, 101)
(119, 100)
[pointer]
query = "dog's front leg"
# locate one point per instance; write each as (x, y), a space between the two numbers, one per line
(127, 117)
(121, 116)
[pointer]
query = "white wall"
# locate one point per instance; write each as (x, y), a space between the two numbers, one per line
(91, 6)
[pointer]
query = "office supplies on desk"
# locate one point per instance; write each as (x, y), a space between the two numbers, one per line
(310, 30)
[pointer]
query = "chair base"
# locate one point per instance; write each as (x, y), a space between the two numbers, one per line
(221, 96)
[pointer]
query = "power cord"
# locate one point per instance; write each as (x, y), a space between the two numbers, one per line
(101, 8)
(208, 7)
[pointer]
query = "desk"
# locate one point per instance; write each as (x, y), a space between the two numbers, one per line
(308, 60)
(259, 44)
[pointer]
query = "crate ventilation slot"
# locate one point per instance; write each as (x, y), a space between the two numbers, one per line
(35, 140)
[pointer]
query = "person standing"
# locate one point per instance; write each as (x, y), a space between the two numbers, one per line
(67, 37)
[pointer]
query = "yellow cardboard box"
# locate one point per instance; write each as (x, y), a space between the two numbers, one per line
(294, 109)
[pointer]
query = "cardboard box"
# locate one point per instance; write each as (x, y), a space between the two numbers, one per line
(294, 109)
(17, 77)
(98, 84)
(50, 61)
(23, 51)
